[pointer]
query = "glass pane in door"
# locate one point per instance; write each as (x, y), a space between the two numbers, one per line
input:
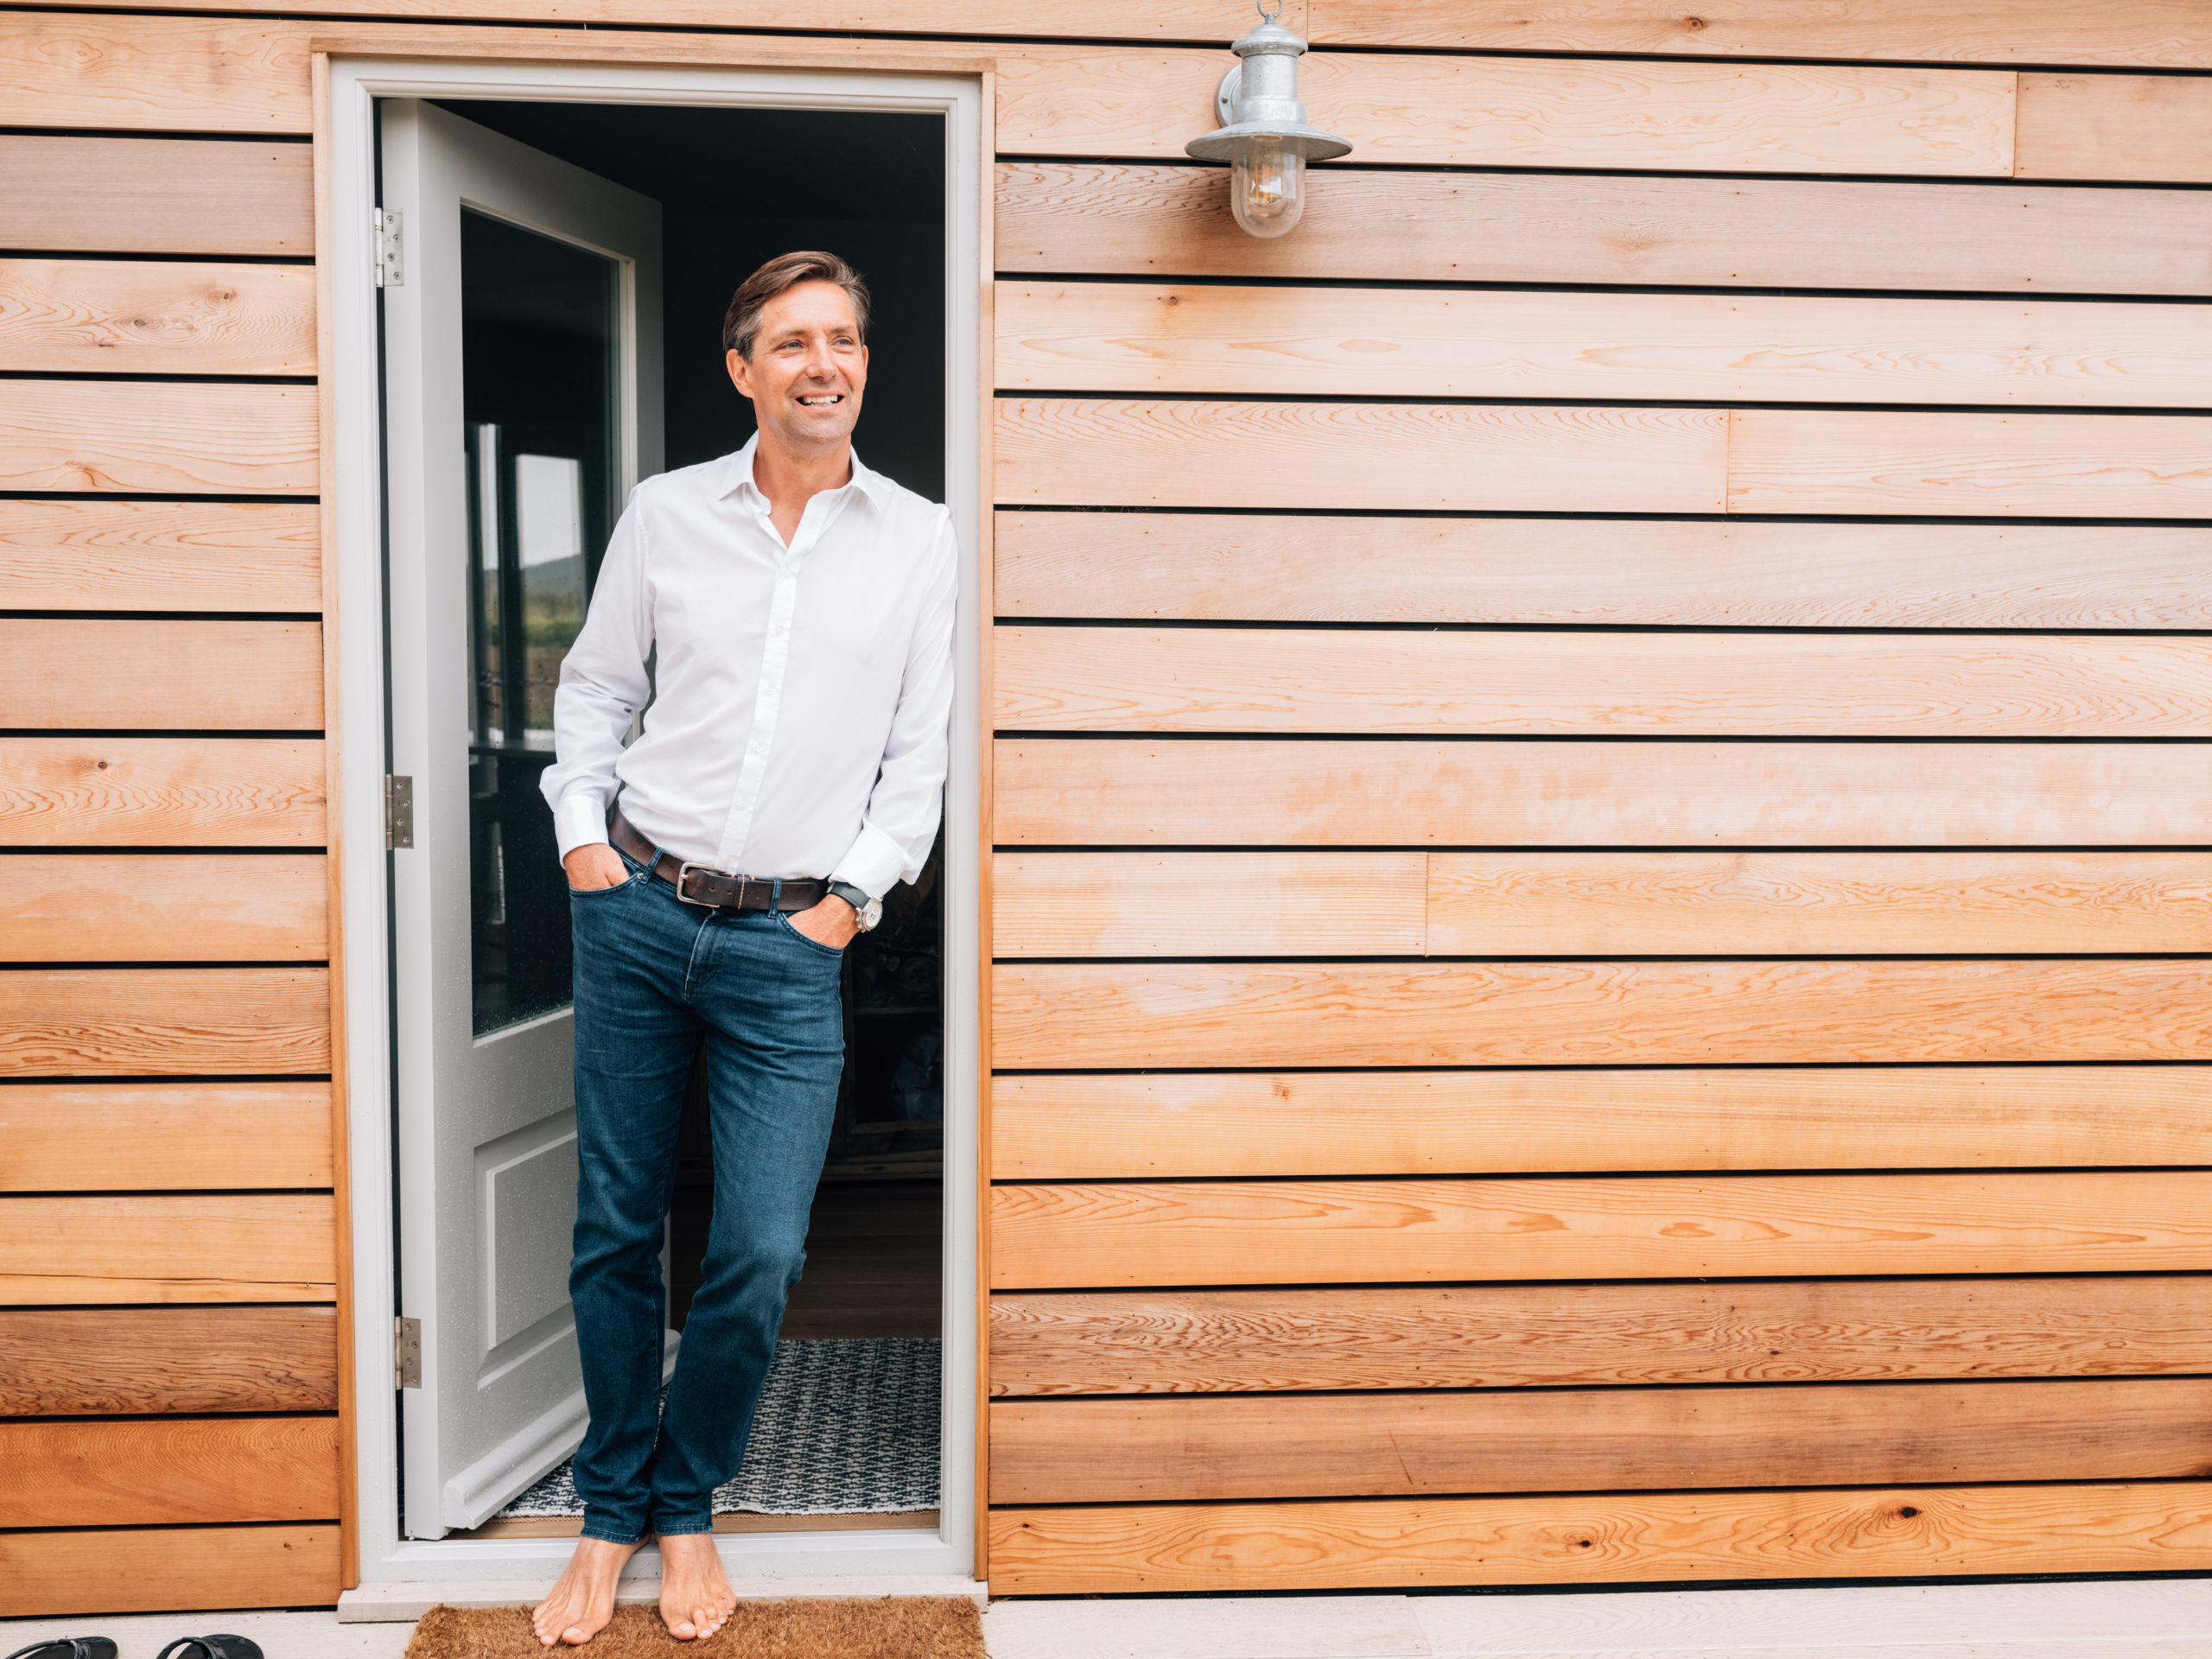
(540, 354)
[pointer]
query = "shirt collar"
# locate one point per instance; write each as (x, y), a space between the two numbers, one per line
(737, 478)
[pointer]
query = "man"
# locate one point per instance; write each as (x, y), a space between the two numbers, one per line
(797, 611)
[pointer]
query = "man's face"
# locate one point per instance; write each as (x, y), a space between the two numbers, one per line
(808, 367)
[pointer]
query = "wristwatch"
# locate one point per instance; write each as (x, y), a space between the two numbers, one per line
(869, 911)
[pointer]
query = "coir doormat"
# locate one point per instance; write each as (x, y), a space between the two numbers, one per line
(889, 1627)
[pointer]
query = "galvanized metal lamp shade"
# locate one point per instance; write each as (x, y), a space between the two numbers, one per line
(1265, 141)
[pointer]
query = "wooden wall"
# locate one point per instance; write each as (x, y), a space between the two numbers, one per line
(1598, 795)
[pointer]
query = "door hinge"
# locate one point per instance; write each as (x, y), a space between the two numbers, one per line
(398, 811)
(407, 1353)
(390, 243)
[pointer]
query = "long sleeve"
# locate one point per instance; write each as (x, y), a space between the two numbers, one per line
(603, 684)
(908, 799)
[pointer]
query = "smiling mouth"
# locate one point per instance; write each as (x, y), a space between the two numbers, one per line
(822, 400)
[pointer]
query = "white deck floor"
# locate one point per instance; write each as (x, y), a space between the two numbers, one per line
(2153, 1619)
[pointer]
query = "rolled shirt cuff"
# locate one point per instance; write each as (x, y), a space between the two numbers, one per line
(580, 820)
(873, 863)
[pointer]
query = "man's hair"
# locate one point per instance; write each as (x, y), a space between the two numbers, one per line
(742, 323)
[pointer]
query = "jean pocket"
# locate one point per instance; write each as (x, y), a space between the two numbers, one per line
(637, 874)
(783, 921)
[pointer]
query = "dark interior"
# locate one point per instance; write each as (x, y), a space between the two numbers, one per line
(737, 187)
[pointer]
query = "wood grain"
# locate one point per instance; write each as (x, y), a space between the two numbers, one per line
(83, 1361)
(208, 676)
(1061, 1015)
(1813, 904)
(160, 555)
(188, 1471)
(1078, 218)
(1139, 792)
(163, 1021)
(106, 316)
(1433, 1444)
(170, 74)
(1093, 1128)
(1104, 452)
(157, 196)
(185, 907)
(1372, 1543)
(154, 1568)
(1143, 1234)
(1554, 1336)
(1343, 342)
(1204, 903)
(1749, 573)
(1996, 465)
(111, 1137)
(162, 792)
(224, 1247)
(1450, 112)
(174, 439)
(1597, 685)
(2164, 33)
(2114, 127)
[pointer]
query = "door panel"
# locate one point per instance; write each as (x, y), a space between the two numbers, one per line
(522, 398)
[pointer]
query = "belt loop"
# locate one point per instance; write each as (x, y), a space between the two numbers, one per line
(776, 897)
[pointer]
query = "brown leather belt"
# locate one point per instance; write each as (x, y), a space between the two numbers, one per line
(696, 883)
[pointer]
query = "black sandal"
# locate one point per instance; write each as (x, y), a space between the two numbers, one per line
(211, 1647)
(68, 1647)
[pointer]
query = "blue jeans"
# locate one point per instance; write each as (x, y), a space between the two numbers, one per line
(655, 979)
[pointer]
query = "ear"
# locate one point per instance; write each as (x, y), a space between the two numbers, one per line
(741, 373)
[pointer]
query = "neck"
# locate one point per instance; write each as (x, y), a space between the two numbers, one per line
(791, 477)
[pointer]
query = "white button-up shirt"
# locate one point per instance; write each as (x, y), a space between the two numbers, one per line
(800, 696)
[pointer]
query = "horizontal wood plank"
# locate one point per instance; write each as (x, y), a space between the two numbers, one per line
(160, 555)
(65, 195)
(1140, 792)
(2150, 127)
(1078, 218)
(107, 316)
(1057, 1015)
(162, 438)
(1456, 112)
(162, 792)
(1079, 1127)
(185, 907)
(1556, 1336)
(1114, 452)
(1994, 465)
(225, 1246)
(153, 1568)
(168, 74)
(1597, 685)
(112, 1136)
(1201, 904)
(1344, 342)
(1816, 904)
(1138, 1234)
(163, 1021)
(84, 672)
(1749, 573)
(1435, 1444)
(189, 1471)
(1362, 1543)
(85, 1362)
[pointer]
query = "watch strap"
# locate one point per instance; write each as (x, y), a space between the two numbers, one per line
(856, 896)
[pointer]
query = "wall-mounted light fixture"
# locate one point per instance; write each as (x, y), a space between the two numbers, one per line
(1263, 136)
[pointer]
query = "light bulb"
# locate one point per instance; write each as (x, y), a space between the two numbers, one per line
(1267, 183)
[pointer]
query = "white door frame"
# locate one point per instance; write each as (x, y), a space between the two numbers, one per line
(354, 443)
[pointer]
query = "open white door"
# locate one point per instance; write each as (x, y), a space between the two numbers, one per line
(522, 361)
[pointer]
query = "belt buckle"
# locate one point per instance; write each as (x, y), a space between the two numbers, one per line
(684, 874)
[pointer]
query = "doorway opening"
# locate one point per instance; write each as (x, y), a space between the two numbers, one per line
(592, 248)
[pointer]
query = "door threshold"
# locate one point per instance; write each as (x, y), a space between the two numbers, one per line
(387, 1603)
(569, 1526)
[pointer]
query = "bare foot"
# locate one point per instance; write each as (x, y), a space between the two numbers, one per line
(695, 1599)
(583, 1601)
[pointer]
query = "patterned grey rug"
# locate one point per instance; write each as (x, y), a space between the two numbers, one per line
(845, 1427)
